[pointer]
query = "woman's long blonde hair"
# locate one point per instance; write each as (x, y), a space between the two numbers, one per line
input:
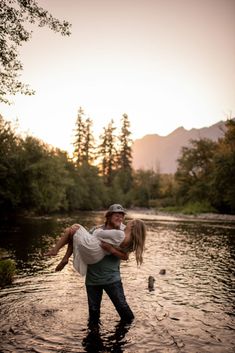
(138, 236)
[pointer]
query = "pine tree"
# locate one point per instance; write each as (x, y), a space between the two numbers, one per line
(124, 160)
(84, 143)
(125, 151)
(89, 143)
(78, 153)
(108, 153)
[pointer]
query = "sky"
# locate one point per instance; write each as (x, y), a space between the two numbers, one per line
(164, 63)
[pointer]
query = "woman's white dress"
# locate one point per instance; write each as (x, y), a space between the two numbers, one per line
(87, 249)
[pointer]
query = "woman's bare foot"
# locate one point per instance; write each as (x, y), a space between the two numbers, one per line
(61, 265)
(51, 252)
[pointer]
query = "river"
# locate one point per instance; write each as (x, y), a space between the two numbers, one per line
(190, 310)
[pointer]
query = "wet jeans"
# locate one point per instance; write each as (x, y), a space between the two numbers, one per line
(116, 295)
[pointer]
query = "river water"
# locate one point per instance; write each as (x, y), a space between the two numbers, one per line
(190, 310)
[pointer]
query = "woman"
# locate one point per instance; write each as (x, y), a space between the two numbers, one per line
(87, 248)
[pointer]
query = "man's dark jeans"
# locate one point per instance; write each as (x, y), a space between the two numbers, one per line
(116, 295)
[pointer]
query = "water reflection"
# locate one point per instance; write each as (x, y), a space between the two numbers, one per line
(95, 342)
(190, 310)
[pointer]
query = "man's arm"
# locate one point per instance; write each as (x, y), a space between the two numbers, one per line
(114, 251)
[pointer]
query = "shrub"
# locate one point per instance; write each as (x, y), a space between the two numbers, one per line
(198, 207)
(7, 272)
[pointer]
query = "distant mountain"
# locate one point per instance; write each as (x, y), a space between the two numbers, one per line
(161, 152)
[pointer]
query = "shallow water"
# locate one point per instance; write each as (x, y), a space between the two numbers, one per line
(191, 309)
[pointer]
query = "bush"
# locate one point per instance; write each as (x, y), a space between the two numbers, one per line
(198, 207)
(7, 272)
(191, 208)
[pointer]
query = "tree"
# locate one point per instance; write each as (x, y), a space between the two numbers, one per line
(124, 151)
(146, 187)
(84, 140)
(79, 138)
(10, 146)
(89, 143)
(108, 153)
(195, 167)
(222, 185)
(93, 191)
(124, 160)
(14, 17)
(43, 177)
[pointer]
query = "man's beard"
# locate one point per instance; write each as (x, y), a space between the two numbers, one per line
(113, 225)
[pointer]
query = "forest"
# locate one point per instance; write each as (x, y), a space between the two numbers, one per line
(36, 178)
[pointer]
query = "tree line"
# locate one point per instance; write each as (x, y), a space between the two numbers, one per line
(36, 177)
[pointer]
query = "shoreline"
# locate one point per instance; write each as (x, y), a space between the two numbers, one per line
(160, 215)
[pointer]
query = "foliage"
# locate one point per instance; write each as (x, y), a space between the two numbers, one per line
(198, 207)
(92, 193)
(36, 177)
(194, 169)
(124, 151)
(108, 152)
(33, 175)
(9, 165)
(44, 178)
(191, 208)
(206, 171)
(7, 272)
(222, 179)
(146, 187)
(124, 156)
(84, 140)
(15, 15)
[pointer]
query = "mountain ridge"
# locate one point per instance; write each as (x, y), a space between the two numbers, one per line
(160, 153)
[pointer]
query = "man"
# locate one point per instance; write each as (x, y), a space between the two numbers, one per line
(105, 275)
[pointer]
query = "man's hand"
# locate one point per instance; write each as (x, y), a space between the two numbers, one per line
(114, 251)
(107, 247)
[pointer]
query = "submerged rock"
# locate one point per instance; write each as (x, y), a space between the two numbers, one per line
(151, 281)
(162, 271)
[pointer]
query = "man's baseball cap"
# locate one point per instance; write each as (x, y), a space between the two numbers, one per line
(115, 208)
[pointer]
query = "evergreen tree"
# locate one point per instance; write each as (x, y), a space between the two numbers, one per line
(78, 153)
(125, 142)
(89, 143)
(84, 140)
(124, 160)
(108, 153)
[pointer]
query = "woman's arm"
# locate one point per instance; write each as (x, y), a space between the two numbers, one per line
(111, 236)
(114, 251)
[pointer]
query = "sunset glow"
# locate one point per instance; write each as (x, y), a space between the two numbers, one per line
(164, 63)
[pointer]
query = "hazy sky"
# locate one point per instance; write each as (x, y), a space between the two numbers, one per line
(165, 63)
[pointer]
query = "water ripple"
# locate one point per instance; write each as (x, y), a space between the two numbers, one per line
(191, 308)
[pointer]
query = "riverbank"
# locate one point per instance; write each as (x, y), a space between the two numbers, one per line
(151, 213)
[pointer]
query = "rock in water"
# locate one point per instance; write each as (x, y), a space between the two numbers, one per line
(162, 271)
(151, 281)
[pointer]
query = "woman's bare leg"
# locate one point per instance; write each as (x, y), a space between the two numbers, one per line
(64, 239)
(66, 257)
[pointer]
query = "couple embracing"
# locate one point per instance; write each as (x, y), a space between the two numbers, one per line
(97, 255)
